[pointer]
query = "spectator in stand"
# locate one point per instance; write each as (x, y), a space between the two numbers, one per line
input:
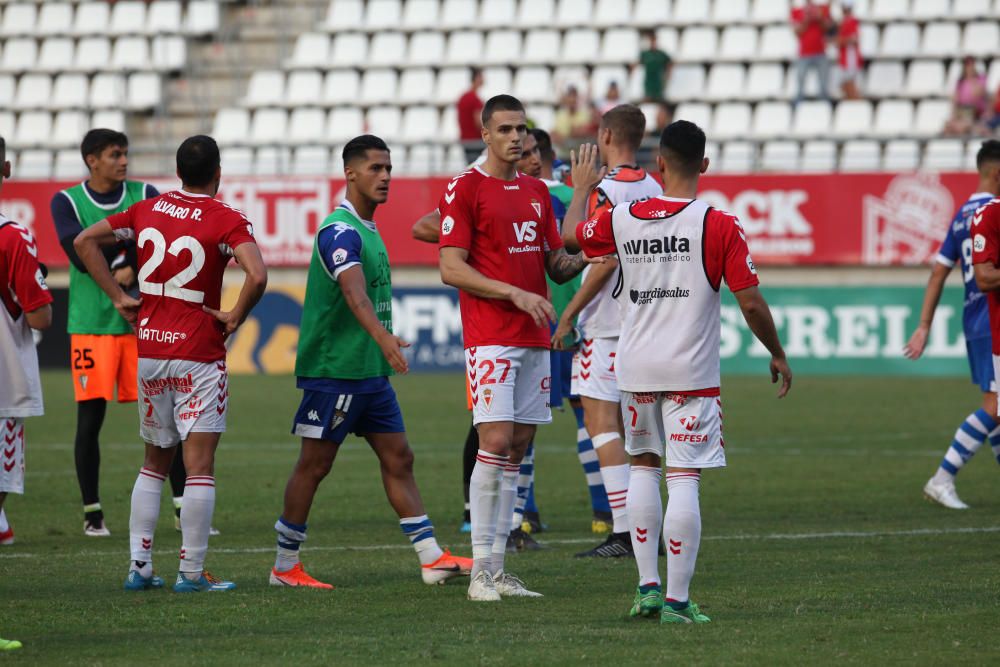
(812, 22)
(612, 98)
(850, 52)
(656, 66)
(993, 116)
(575, 118)
(470, 123)
(969, 102)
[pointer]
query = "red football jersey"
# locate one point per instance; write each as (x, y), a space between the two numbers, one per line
(507, 227)
(985, 231)
(184, 243)
(24, 288)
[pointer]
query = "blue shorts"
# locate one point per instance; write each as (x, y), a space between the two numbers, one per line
(980, 352)
(326, 416)
(562, 376)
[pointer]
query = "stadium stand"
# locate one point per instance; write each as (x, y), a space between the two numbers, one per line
(396, 67)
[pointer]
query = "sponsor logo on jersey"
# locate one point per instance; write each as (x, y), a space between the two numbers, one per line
(511, 187)
(313, 416)
(339, 256)
(979, 243)
(588, 229)
(751, 265)
(40, 279)
(695, 438)
(525, 232)
(646, 296)
(690, 423)
(447, 225)
(161, 335)
(547, 383)
(157, 386)
(650, 251)
(679, 399)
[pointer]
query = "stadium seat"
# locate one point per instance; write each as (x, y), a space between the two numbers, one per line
(928, 10)
(608, 13)
(533, 84)
(944, 155)
(778, 42)
(306, 125)
(940, 39)
(7, 125)
(426, 48)
(232, 126)
(925, 78)
(387, 49)
(888, 10)
(344, 123)
(540, 47)
(145, 91)
(868, 39)
(270, 160)
(34, 128)
(765, 81)
(650, 13)
(383, 14)
(449, 124)
(502, 47)
(113, 119)
(343, 15)
(92, 18)
(930, 118)
(237, 160)
(68, 165)
(55, 18)
(769, 11)
(737, 157)
(900, 40)
(971, 149)
(496, 13)
(893, 118)
(690, 11)
(69, 126)
(416, 85)
(667, 39)
(981, 39)
(604, 75)
(19, 55)
(496, 80)
(738, 43)
(269, 126)
(33, 165)
(686, 82)
(348, 49)
(128, 17)
(698, 43)
(130, 54)
(108, 91)
(33, 92)
(341, 86)
(901, 155)
(458, 14)
(311, 161)
(811, 119)
(56, 55)
(19, 20)
(698, 113)
(853, 118)
(425, 160)
(771, 119)
(728, 12)
(451, 83)
(202, 17)
(420, 125)
(620, 45)
(781, 156)
(571, 13)
(169, 53)
(304, 88)
(420, 14)
(571, 75)
(378, 86)
(731, 120)
(861, 155)
(163, 18)
(580, 45)
(312, 49)
(464, 47)
(536, 13)
(725, 82)
(884, 79)
(7, 87)
(542, 115)
(971, 9)
(92, 54)
(384, 122)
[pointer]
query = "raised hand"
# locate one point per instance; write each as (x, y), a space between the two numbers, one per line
(586, 168)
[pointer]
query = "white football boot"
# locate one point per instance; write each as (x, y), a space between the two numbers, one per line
(483, 589)
(943, 493)
(509, 585)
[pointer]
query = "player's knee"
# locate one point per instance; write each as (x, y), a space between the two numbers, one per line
(401, 461)
(646, 460)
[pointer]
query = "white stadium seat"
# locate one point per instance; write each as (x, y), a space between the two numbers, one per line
(737, 157)
(571, 75)
(303, 88)
(131, 53)
(542, 115)
(169, 52)
(699, 43)
(769, 11)
(690, 11)
(112, 119)
(384, 122)
(900, 40)
(727, 12)
(237, 161)
(778, 42)
(781, 156)
(451, 83)
(378, 86)
(765, 81)
(884, 79)
(771, 119)
(731, 120)
(144, 90)
(383, 14)
(536, 13)
(496, 13)
(603, 75)
(541, 46)
(458, 14)
(686, 82)
(33, 92)
(888, 10)
(19, 20)
(312, 49)
(853, 118)
(33, 164)
(202, 17)
(738, 43)
(901, 155)
(971, 9)
(464, 47)
(266, 88)
(56, 55)
(426, 48)
(698, 113)
(868, 39)
(92, 18)
(18, 55)
(580, 45)
(893, 118)
(416, 85)
(69, 126)
(348, 49)
(725, 82)
(7, 124)
(311, 161)
(163, 18)
(502, 47)
(861, 156)
(449, 127)
(92, 54)
(944, 155)
(269, 126)
(940, 39)
(649, 13)
(496, 80)
(420, 124)
(811, 119)
(425, 160)
(667, 39)
(930, 118)
(344, 15)
(341, 86)
(108, 91)
(420, 14)
(387, 49)
(306, 125)
(34, 128)
(608, 13)
(533, 84)
(7, 87)
(232, 126)
(981, 39)
(620, 45)
(68, 165)
(271, 160)
(925, 78)
(572, 12)
(55, 18)
(128, 17)
(928, 10)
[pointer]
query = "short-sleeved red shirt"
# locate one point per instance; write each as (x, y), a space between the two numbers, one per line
(508, 228)
(20, 274)
(812, 41)
(469, 106)
(184, 243)
(985, 232)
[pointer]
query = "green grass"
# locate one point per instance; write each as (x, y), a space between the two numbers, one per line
(838, 456)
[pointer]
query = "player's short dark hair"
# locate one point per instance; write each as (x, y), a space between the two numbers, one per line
(682, 146)
(96, 140)
(198, 160)
(358, 147)
(988, 152)
(627, 124)
(500, 103)
(545, 150)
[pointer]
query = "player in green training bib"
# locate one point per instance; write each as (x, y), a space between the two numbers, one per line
(346, 353)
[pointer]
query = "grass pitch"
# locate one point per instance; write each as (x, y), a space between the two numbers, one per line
(817, 546)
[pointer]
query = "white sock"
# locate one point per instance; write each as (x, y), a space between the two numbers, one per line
(616, 485)
(4, 526)
(290, 538)
(508, 492)
(645, 511)
(420, 532)
(196, 521)
(681, 532)
(484, 506)
(142, 519)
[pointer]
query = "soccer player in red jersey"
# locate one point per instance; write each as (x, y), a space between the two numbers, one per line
(985, 233)
(185, 239)
(498, 240)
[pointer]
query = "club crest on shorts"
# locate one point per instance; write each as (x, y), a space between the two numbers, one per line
(488, 398)
(83, 382)
(338, 418)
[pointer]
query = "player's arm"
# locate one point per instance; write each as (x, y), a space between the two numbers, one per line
(932, 295)
(592, 284)
(758, 317)
(561, 266)
(248, 256)
(88, 245)
(428, 227)
(352, 285)
(40, 318)
(27, 281)
(587, 172)
(987, 276)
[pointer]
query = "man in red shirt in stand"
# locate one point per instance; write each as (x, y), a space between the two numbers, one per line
(848, 35)
(470, 124)
(812, 22)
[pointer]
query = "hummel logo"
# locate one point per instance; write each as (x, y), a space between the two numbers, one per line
(313, 416)
(449, 197)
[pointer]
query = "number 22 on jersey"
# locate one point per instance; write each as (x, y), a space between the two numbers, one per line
(174, 287)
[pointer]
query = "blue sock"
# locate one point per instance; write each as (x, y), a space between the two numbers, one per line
(525, 483)
(420, 531)
(591, 467)
(968, 439)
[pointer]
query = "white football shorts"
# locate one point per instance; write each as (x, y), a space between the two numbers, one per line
(685, 431)
(178, 397)
(594, 370)
(11, 455)
(509, 384)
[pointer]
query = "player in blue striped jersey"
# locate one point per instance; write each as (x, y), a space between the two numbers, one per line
(957, 249)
